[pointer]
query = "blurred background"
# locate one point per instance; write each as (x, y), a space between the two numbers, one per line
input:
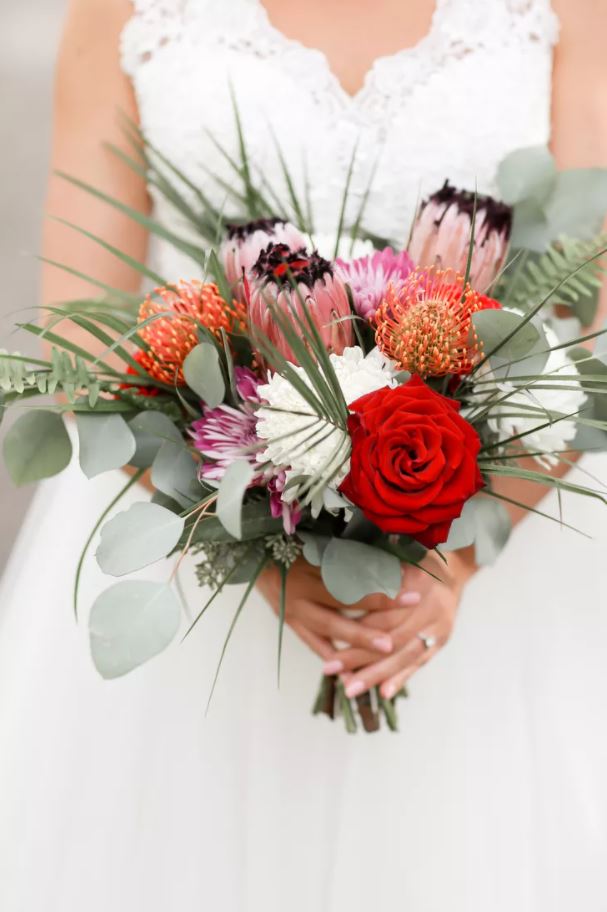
(29, 35)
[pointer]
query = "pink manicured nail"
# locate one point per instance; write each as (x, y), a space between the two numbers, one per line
(355, 688)
(409, 598)
(383, 644)
(388, 691)
(333, 668)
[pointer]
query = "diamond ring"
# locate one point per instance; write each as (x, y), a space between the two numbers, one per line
(428, 641)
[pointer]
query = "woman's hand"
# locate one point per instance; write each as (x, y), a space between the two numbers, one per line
(424, 610)
(317, 619)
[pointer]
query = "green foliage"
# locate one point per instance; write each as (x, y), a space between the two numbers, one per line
(351, 570)
(576, 264)
(63, 374)
(37, 446)
(130, 623)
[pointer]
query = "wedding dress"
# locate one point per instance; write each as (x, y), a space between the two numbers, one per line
(493, 797)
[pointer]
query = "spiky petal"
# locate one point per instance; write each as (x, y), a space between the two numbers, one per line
(295, 285)
(174, 332)
(441, 234)
(426, 325)
(370, 276)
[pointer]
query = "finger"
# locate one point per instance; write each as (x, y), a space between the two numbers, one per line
(392, 686)
(333, 626)
(348, 659)
(365, 678)
(390, 619)
(317, 644)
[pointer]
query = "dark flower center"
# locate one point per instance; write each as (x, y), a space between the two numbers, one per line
(283, 266)
(242, 232)
(498, 216)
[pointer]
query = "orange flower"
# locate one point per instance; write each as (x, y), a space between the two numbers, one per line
(172, 337)
(426, 324)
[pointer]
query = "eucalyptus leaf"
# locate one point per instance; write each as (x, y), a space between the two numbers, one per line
(351, 570)
(237, 478)
(36, 446)
(151, 430)
(578, 203)
(528, 173)
(313, 547)
(130, 623)
(174, 472)
(202, 372)
(530, 227)
(139, 536)
(256, 522)
(106, 442)
(494, 327)
(484, 522)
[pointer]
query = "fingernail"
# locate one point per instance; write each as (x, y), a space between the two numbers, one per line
(354, 689)
(333, 667)
(383, 644)
(388, 691)
(409, 598)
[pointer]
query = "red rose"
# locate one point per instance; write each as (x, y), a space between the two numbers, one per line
(414, 461)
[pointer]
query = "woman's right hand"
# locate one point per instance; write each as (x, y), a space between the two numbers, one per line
(316, 617)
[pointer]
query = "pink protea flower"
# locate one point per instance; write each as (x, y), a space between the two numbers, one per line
(243, 244)
(441, 234)
(281, 280)
(370, 276)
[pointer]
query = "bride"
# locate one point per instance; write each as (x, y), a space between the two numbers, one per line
(123, 795)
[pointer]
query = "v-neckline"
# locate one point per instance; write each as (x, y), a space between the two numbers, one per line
(353, 97)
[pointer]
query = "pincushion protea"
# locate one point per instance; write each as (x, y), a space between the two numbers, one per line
(441, 234)
(426, 325)
(294, 283)
(172, 336)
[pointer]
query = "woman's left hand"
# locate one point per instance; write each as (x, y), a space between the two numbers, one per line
(425, 609)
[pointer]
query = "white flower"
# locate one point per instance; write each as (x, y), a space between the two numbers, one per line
(300, 441)
(565, 397)
(325, 244)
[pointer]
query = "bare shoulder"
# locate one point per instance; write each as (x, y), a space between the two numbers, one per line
(583, 28)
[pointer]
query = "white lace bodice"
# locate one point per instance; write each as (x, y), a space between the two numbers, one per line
(475, 88)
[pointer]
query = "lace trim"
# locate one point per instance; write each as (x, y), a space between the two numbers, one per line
(458, 27)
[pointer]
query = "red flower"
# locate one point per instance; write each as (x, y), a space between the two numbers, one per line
(143, 359)
(414, 461)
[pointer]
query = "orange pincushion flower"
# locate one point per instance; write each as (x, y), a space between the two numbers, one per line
(172, 337)
(426, 324)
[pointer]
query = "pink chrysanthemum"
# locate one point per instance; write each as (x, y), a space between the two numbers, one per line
(226, 434)
(370, 277)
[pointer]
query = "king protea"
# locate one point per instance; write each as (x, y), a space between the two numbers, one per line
(441, 234)
(298, 287)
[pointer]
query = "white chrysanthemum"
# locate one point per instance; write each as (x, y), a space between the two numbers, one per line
(300, 441)
(325, 244)
(540, 405)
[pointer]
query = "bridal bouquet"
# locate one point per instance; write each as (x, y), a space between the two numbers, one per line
(351, 407)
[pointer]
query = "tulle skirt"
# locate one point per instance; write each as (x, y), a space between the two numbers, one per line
(124, 795)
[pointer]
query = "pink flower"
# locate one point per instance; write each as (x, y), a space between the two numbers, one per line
(441, 234)
(243, 244)
(290, 512)
(224, 434)
(370, 276)
(281, 280)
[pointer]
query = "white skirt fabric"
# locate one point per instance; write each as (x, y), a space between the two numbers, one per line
(123, 796)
